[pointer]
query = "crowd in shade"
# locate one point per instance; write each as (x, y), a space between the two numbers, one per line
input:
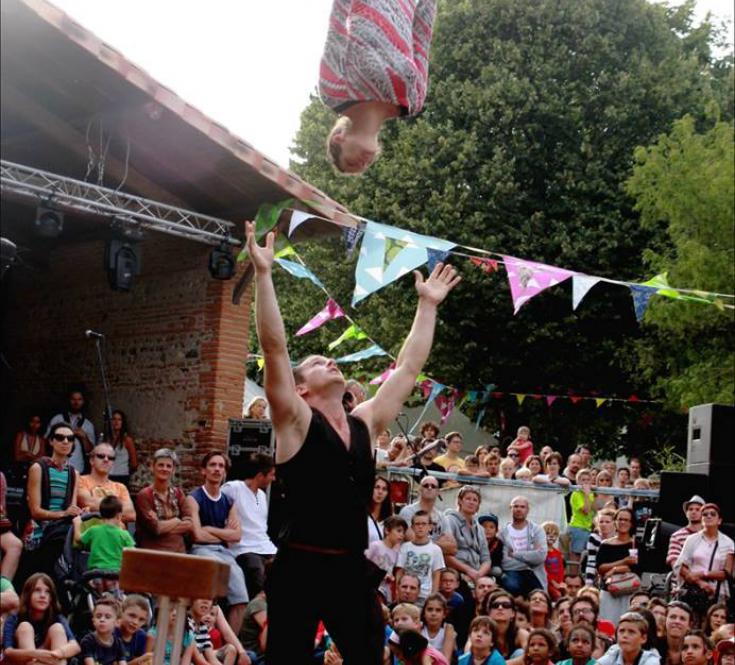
(455, 583)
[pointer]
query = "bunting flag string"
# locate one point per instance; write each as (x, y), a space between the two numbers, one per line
(353, 332)
(387, 253)
(331, 311)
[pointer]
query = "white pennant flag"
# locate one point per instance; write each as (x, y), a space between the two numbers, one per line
(581, 284)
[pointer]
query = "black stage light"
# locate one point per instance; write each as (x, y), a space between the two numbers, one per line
(221, 262)
(122, 261)
(49, 223)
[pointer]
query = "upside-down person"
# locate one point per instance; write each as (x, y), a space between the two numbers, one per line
(375, 67)
(325, 460)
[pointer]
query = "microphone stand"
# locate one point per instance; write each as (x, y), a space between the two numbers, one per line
(107, 414)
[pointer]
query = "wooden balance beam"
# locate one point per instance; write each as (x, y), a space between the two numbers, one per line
(172, 576)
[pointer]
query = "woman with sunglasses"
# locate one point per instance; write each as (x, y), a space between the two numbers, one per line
(706, 560)
(501, 608)
(614, 557)
(52, 498)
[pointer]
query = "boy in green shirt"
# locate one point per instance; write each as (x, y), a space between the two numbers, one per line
(106, 540)
(583, 515)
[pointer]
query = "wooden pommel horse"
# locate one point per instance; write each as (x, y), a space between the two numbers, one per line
(172, 576)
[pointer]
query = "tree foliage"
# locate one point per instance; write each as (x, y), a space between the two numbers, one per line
(526, 141)
(686, 183)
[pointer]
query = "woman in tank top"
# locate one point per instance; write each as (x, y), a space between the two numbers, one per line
(29, 445)
(380, 508)
(126, 460)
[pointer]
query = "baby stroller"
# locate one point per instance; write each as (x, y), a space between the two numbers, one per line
(78, 587)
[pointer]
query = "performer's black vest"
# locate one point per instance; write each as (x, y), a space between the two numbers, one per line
(328, 488)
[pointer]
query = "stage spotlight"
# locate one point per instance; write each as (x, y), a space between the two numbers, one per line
(49, 223)
(122, 261)
(221, 262)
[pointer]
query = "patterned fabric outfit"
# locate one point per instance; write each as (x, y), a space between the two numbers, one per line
(377, 50)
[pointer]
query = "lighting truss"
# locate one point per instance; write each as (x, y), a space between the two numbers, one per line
(67, 194)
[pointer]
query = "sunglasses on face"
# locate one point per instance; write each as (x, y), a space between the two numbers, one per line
(709, 514)
(64, 437)
(102, 456)
(501, 605)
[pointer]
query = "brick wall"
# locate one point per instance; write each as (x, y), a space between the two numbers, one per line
(176, 345)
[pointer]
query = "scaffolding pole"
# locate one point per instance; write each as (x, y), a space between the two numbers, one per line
(67, 194)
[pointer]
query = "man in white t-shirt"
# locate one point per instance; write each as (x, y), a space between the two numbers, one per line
(421, 557)
(255, 550)
(81, 426)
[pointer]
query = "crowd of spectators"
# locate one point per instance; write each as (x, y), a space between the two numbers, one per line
(456, 584)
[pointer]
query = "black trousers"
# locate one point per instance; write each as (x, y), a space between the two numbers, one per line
(305, 587)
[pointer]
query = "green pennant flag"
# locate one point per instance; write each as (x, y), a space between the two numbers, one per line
(353, 332)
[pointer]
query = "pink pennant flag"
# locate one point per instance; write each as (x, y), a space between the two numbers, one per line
(426, 387)
(550, 399)
(486, 265)
(331, 311)
(384, 376)
(528, 278)
(445, 404)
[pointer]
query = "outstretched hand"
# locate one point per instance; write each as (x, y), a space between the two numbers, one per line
(441, 281)
(261, 257)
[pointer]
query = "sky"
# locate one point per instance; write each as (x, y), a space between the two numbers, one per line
(248, 64)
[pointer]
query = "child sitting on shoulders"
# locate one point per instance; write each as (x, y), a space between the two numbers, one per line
(384, 553)
(522, 444)
(101, 646)
(406, 644)
(483, 638)
(554, 563)
(135, 613)
(440, 634)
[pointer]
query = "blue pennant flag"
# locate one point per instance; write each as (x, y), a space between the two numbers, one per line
(435, 256)
(297, 270)
(479, 419)
(388, 253)
(436, 390)
(371, 351)
(641, 296)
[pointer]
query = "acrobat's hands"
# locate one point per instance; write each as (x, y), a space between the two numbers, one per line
(261, 257)
(441, 281)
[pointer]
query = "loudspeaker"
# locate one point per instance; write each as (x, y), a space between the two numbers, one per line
(676, 488)
(247, 436)
(710, 438)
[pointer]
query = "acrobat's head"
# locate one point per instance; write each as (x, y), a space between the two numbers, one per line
(351, 152)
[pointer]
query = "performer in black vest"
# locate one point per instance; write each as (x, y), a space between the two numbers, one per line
(325, 459)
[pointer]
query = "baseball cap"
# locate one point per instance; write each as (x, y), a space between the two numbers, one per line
(695, 499)
(490, 517)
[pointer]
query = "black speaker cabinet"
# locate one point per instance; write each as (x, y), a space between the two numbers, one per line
(246, 437)
(676, 488)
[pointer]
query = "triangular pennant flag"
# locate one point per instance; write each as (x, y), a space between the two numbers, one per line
(485, 264)
(581, 284)
(260, 362)
(384, 376)
(298, 217)
(575, 399)
(353, 332)
(288, 250)
(550, 399)
(297, 270)
(388, 253)
(351, 236)
(641, 296)
(633, 398)
(435, 256)
(331, 311)
(445, 404)
(472, 396)
(600, 401)
(431, 390)
(520, 397)
(661, 283)
(479, 419)
(528, 278)
(370, 352)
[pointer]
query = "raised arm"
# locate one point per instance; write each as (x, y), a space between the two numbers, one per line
(388, 401)
(290, 414)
